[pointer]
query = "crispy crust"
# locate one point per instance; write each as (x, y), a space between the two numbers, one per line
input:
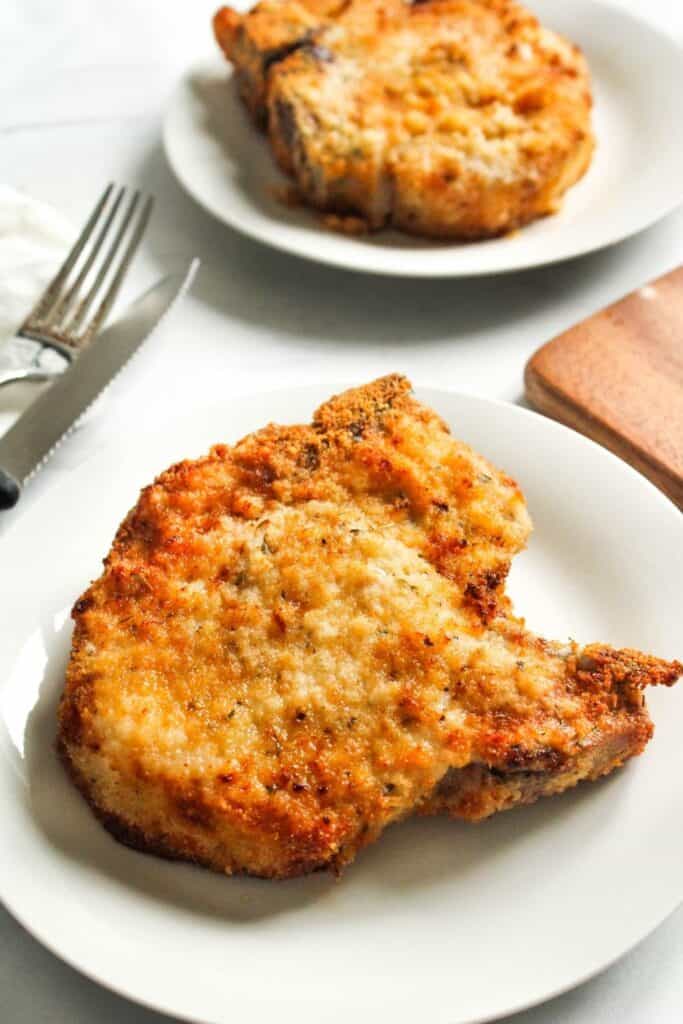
(255, 43)
(622, 730)
(448, 118)
(477, 791)
(294, 641)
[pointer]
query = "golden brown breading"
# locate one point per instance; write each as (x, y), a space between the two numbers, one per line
(297, 640)
(447, 118)
(268, 34)
(621, 728)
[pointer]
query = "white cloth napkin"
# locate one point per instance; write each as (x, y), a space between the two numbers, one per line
(34, 238)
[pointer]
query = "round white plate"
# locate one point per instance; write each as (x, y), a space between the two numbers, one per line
(636, 176)
(438, 921)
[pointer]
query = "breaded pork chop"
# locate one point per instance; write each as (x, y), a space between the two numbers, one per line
(301, 639)
(447, 118)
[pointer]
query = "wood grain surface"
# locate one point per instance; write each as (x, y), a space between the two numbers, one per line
(618, 378)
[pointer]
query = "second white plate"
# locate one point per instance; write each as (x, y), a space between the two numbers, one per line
(636, 176)
(441, 921)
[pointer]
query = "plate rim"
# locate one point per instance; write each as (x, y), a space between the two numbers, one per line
(328, 385)
(340, 258)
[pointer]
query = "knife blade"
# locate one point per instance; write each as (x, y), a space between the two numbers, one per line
(32, 439)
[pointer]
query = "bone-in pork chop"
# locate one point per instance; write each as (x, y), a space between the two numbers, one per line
(446, 118)
(303, 638)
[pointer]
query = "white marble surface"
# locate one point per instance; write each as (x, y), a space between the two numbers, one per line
(82, 89)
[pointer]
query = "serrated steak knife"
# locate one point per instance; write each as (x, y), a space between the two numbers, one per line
(31, 440)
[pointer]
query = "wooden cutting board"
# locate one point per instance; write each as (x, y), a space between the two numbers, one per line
(618, 378)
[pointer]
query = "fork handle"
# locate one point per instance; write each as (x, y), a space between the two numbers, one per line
(26, 358)
(9, 490)
(12, 376)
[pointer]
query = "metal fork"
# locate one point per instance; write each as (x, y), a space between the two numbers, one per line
(93, 271)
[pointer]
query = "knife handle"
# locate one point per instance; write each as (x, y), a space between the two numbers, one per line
(9, 490)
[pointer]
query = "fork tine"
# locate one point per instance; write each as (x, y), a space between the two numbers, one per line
(51, 294)
(108, 301)
(73, 325)
(54, 317)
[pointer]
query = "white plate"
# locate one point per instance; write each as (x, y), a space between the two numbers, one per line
(636, 176)
(438, 921)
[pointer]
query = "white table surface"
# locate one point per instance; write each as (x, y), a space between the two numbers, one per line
(83, 84)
